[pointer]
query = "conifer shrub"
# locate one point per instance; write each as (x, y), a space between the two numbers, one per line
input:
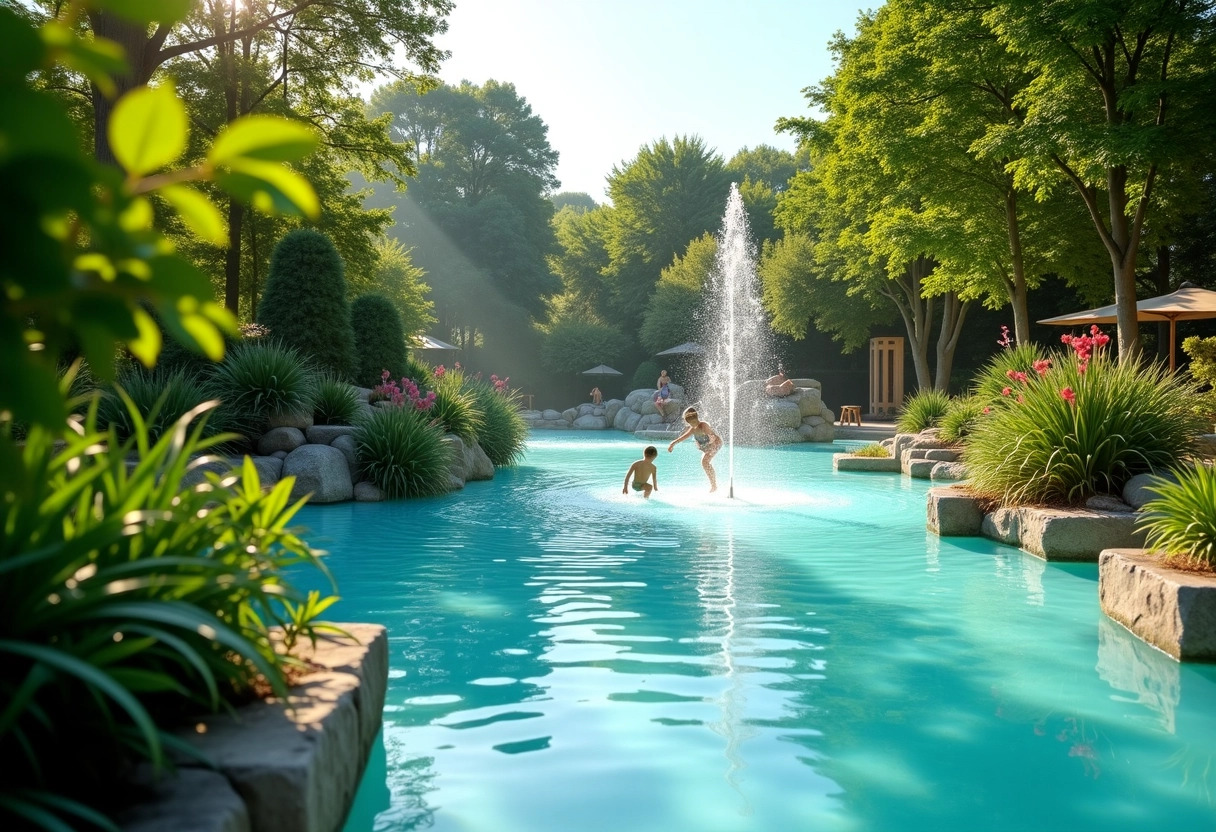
(379, 340)
(304, 304)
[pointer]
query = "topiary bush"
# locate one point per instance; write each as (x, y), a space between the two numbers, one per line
(645, 375)
(403, 453)
(1181, 521)
(334, 402)
(159, 398)
(1079, 425)
(962, 415)
(259, 378)
(304, 305)
(923, 409)
(379, 340)
(504, 433)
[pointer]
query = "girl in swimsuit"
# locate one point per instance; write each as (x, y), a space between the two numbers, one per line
(707, 441)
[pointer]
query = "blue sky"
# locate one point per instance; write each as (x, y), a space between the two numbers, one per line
(609, 76)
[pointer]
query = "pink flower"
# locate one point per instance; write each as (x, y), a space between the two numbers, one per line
(1021, 399)
(1014, 375)
(1042, 366)
(1005, 339)
(458, 365)
(1069, 396)
(439, 371)
(986, 410)
(1006, 391)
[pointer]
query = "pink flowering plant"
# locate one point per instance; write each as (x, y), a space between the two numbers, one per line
(1077, 423)
(401, 394)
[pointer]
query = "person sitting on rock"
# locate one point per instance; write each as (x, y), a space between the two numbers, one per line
(778, 385)
(662, 396)
(596, 396)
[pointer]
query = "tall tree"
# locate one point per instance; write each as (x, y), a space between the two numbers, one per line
(1122, 91)
(672, 316)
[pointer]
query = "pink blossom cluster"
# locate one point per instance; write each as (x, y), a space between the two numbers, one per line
(388, 391)
(440, 371)
(1005, 341)
(1084, 345)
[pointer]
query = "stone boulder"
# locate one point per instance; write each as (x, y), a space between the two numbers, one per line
(590, 422)
(346, 444)
(570, 414)
(479, 466)
(551, 415)
(1105, 502)
(611, 408)
(280, 439)
(1136, 493)
(320, 470)
(948, 471)
(326, 434)
(290, 419)
(368, 492)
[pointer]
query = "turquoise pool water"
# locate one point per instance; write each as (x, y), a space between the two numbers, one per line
(806, 657)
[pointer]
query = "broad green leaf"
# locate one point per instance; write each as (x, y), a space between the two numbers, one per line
(148, 11)
(137, 216)
(175, 277)
(30, 391)
(146, 347)
(98, 59)
(22, 49)
(268, 138)
(148, 129)
(271, 187)
(205, 334)
(33, 123)
(197, 212)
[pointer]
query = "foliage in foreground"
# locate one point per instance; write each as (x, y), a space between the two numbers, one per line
(923, 409)
(161, 399)
(403, 453)
(126, 601)
(1181, 520)
(1078, 426)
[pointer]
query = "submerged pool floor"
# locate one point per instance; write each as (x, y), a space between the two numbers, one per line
(804, 657)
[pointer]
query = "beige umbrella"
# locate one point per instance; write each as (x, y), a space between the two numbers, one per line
(1189, 303)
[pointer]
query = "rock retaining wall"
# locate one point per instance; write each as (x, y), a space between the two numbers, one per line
(280, 768)
(1172, 610)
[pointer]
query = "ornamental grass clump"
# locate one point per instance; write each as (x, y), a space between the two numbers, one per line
(257, 379)
(457, 411)
(872, 450)
(961, 418)
(993, 377)
(403, 453)
(1181, 520)
(1078, 424)
(334, 402)
(923, 409)
(504, 433)
(160, 398)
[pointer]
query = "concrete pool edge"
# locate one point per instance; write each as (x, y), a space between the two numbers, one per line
(282, 767)
(1173, 610)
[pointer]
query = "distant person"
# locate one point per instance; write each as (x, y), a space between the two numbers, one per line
(596, 396)
(707, 441)
(662, 396)
(778, 385)
(643, 472)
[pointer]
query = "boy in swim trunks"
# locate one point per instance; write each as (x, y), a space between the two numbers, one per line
(642, 471)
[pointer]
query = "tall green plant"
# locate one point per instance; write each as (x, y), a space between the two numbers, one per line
(161, 398)
(923, 409)
(304, 304)
(260, 378)
(993, 377)
(504, 433)
(1079, 427)
(403, 453)
(125, 600)
(1181, 520)
(379, 340)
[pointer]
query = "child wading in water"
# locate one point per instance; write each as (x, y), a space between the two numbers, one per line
(708, 441)
(642, 472)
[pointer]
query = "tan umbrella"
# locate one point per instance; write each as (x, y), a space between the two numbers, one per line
(1189, 303)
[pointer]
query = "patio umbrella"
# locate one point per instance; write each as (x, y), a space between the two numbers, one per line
(687, 348)
(602, 370)
(1189, 303)
(426, 342)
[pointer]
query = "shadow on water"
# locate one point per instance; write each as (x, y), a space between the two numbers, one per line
(824, 663)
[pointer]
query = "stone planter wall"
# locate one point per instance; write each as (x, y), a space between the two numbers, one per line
(849, 462)
(1172, 610)
(281, 769)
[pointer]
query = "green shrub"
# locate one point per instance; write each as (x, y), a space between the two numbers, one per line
(257, 379)
(872, 450)
(457, 411)
(379, 340)
(645, 375)
(1077, 433)
(127, 601)
(993, 377)
(504, 433)
(334, 402)
(923, 409)
(304, 305)
(402, 453)
(1181, 521)
(1202, 352)
(161, 399)
(961, 417)
(420, 373)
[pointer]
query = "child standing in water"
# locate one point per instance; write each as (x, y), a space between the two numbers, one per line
(643, 471)
(708, 442)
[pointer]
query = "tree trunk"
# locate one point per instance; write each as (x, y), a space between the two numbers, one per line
(232, 259)
(917, 312)
(954, 312)
(135, 42)
(1016, 286)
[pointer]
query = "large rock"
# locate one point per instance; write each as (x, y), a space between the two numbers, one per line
(280, 439)
(1063, 534)
(590, 422)
(350, 450)
(570, 414)
(612, 407)
(1105, 502)
(188, 800)
(368, 492)
(290, 419)
(457, 466)
(479, 465)
(824, 431)
(809, 401)
(551, 415)
(849, 462)
(948, 471)
(784, 414)
(1136, 491)
(787, 436)
(941, 454)
(326, 434)
(809, 383)
(320, 470)
(1168, 608)
(631, 420)
(953, 512)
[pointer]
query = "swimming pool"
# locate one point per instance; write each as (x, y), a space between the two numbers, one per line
(805, 657)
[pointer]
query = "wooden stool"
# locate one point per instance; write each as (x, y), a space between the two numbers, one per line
(849, 414)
